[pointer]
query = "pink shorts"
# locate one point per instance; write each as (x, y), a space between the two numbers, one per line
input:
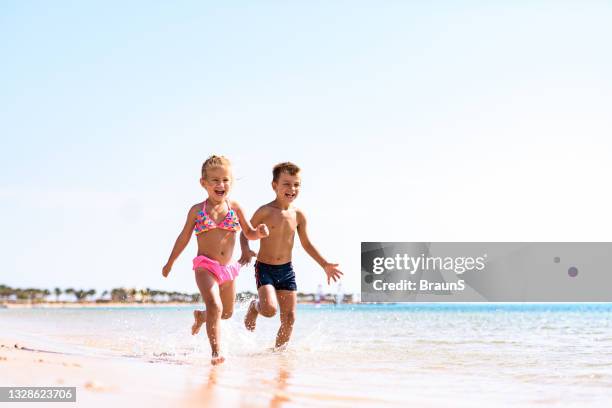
(222, 273)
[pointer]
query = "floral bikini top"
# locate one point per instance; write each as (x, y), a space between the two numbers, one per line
(205, 223)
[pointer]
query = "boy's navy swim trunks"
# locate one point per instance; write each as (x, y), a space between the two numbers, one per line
(281, 277)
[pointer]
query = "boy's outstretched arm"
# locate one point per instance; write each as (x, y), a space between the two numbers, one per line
(182, 240)
(331, 269)
(261, 231)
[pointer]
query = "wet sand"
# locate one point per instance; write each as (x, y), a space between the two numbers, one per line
(103, 382)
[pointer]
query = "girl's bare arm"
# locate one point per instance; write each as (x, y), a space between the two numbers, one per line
(182, 240)
(251, 233)
(247, 253)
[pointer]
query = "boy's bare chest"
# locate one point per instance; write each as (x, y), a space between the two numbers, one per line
(281, 222)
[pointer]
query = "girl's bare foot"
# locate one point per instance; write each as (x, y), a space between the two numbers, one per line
(281, 348)
(250, 317)
(216, 359)
(199, 317)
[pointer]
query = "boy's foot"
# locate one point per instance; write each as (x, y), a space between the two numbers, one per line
(215, 360)
(199, 317)
(250, 317)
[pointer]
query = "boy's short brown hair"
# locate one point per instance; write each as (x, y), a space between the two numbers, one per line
(285, 167)
(214, 161)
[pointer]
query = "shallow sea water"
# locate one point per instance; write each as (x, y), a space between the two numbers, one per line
(361, 355)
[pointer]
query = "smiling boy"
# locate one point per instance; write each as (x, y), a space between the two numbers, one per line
(274, 273)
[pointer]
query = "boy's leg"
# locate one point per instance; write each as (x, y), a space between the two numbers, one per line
(210, 293)
(266, 306)
(227, 292)
(287, 301)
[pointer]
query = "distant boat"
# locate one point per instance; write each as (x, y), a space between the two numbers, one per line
(318, 296)
(339, 294)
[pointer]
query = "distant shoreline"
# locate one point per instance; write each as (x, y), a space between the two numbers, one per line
(93, 305)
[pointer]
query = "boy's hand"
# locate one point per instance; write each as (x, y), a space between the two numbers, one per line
(262, 231)
(246, 257)
(332, 272)
(166, 270)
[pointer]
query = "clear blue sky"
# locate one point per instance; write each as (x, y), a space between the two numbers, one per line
(413, 121)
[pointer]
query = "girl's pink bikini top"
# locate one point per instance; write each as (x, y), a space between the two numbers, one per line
(205, 223)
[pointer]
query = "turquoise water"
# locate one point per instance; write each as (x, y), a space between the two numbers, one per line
(366, 355)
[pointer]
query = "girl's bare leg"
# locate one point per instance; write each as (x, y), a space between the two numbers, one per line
(227, 292)
(199, 318)
(210, 293)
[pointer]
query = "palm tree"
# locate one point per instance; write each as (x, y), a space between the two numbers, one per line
(31, 293)
(91, 292)
(80, 294)
(118, 295)
(146, 295)
(45, 294)
(69, 291)
(6, 291)
(22, 294)
(57, 292)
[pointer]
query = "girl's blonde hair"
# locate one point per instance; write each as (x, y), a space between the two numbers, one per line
(214, 161)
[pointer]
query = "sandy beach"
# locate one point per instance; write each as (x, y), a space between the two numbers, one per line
(99, 381)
